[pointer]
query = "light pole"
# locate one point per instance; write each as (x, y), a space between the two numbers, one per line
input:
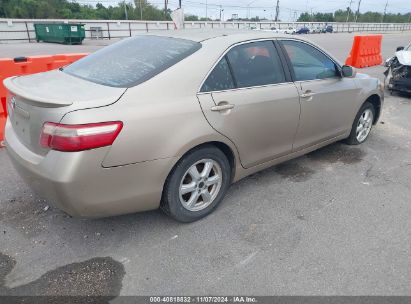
(248, 8)
(348, 11)
(358, 11)
(125, 9)
(385, 12)
(141, 10)
(277, 10)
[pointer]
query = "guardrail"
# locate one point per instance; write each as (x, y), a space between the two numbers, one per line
(23, 29)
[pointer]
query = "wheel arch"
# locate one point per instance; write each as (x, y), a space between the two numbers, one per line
(375, 100)
(222, 146)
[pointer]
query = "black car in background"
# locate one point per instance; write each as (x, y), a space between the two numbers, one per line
(327, 29)
(303, 30)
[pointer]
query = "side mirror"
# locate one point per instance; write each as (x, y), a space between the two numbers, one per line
(400, 48)
(348, 71)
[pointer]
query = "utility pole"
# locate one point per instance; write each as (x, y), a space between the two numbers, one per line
(165, 9)
(125, 9)
(358, 11)
(206, 9)
(141, 10)
(385, 12)
(348, 11)
(179, 3)
(277, 10)
(221, 11)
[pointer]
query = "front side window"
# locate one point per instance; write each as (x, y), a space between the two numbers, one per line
(219, 79)
(132, 61)
(309, 63)
(255, 64)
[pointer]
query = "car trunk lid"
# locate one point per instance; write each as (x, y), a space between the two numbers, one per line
(38, 98)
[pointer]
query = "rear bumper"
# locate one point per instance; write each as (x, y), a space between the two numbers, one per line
(78, 184)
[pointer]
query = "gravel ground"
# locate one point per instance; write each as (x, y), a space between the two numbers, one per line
(334, 222)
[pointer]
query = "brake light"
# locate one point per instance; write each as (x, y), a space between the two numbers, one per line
(71, 138)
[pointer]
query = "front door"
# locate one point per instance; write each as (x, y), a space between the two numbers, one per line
(328, 100)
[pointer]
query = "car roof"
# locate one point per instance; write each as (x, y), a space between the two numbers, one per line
(223, 38)
(200, 35)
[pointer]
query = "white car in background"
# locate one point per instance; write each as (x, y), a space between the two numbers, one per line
(277, 30)
(290, 30)
(398, 74)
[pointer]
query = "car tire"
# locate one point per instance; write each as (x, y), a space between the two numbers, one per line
(184, 195)
(362, 125)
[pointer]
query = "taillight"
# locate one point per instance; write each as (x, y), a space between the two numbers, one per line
(71, 138)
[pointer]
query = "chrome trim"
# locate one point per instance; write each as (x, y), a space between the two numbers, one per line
(247, 88)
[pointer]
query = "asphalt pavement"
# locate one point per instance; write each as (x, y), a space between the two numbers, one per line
(333, 222)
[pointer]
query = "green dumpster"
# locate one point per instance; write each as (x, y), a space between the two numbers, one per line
(60, 33)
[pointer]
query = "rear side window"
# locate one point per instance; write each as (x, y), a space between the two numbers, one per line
(309, 63)
(132, 61)
(219, 79)
(255, 64)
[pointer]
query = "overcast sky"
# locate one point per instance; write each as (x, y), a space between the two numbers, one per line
(266, 8)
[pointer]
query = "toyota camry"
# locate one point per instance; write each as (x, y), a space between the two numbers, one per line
(171, 119)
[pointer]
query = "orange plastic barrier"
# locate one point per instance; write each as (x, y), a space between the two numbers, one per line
(28, 65)
(365, 52)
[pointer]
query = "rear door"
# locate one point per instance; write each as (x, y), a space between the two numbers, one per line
(328, 100)
(249, 98)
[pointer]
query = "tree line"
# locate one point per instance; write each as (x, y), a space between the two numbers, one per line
(142, 9)
(350, 16)
(63, 9)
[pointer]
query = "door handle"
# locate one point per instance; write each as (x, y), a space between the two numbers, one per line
(223, 107)
(307, 94)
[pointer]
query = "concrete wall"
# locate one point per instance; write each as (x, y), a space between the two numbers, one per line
(23, 29)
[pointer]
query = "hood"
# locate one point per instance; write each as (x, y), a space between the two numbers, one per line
(361, 75)
(404, 57)
(58, 89)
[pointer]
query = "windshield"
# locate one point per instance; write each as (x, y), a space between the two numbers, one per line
(132, 61)
(408, 47)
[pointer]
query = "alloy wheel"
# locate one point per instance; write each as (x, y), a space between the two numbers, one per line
(200, 185)
(364, 125)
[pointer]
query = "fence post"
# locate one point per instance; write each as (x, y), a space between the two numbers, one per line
(27, 29)
(108, 31)
(129, 28)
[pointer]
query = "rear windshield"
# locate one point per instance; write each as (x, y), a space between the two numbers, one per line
(132, 61)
